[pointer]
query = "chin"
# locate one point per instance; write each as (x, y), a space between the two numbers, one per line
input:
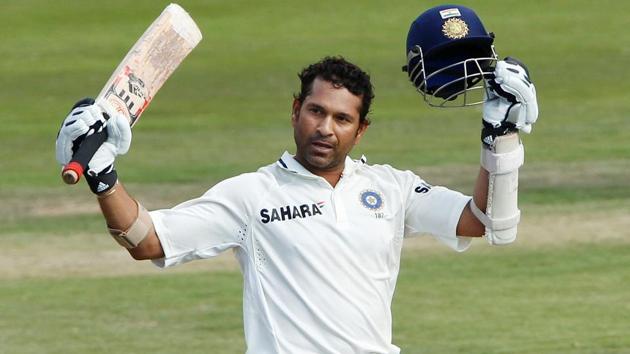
(319, 162)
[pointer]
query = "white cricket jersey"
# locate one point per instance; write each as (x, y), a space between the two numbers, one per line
(319, 263)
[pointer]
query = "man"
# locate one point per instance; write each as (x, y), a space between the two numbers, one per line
(317, 235)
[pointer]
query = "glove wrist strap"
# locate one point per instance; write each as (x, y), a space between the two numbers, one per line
(489, 132)
(100, 184)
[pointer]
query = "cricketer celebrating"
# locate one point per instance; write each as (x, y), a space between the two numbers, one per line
(318, 235)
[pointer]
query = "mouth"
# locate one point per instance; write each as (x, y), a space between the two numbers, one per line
(322, 146)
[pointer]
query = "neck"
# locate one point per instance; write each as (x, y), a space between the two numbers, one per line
(331, 176)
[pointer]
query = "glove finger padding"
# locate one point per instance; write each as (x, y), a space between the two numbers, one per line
(512, 83)
(81, 122)
(118, 129)
(70, 131)
(117, 143)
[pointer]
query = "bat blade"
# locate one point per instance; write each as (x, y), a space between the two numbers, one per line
(139, 76)
(150, 62)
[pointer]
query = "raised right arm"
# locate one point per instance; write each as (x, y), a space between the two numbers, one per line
(129, 223)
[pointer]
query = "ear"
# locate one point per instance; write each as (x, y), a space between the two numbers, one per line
(363, 126)
(295, 113)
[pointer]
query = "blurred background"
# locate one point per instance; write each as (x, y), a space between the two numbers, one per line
(66, 287)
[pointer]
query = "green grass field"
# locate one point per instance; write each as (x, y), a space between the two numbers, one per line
(65, 287)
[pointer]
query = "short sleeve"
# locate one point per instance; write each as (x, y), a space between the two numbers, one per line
(206, 226)
(434, 210)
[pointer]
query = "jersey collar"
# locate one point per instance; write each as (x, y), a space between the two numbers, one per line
(288, 162)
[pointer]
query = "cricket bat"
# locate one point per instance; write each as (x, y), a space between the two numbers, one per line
(139, 76)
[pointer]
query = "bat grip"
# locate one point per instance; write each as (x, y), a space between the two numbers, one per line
(71, 173)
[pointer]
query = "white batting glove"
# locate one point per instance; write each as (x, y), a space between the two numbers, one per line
(511, 99)
(89, 117)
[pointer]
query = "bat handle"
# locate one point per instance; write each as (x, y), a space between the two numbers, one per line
(71, 173)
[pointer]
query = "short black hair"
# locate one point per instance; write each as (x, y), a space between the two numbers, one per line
(341, 73)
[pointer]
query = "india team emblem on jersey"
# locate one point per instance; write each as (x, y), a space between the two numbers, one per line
(371, 200)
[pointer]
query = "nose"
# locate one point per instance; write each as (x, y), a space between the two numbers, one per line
(325, 126)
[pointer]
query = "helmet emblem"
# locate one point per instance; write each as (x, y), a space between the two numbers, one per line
(455, 28)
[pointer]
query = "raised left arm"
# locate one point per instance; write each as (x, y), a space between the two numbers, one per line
(511, 107)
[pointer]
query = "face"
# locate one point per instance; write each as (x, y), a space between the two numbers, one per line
(326, 127)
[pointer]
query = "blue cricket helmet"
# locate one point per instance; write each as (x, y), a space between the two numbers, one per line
(449, 54)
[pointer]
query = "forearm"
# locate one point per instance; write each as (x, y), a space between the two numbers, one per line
(469, 225)
(119, 208)
(120, 211)
(480, 194)
(495, 205)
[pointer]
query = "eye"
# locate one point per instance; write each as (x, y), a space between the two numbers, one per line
(344, 118)
(315, 110)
